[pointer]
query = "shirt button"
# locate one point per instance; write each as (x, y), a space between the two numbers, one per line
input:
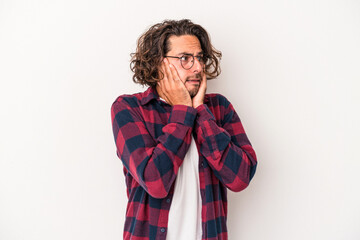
(162, 230)
(202, 164)
(168, 200)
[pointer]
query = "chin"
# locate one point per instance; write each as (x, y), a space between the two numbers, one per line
(193, 92)
(192, 88)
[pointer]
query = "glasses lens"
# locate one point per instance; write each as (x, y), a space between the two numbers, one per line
(187, 61)
(201, 59)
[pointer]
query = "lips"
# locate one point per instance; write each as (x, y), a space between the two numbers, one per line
(194, 80)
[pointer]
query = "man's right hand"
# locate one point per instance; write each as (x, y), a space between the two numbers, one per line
(171, 88)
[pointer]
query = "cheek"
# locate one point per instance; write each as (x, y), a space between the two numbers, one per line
(182, 75)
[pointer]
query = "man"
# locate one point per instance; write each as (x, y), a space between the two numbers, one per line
(181, 148)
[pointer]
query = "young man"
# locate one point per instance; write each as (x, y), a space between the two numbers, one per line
(181, 148)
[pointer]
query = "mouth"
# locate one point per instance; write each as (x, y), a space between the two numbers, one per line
(194, 81)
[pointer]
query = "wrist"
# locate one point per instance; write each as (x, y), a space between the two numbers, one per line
(189, 104)
(197, 104)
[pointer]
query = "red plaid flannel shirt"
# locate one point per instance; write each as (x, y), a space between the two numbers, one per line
(152, 139)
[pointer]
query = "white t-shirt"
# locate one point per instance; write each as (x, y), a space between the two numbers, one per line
(185, 210)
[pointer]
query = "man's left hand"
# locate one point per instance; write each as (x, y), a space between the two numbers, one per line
(198, 99)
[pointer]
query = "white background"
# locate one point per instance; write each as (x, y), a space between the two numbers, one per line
(290, 68)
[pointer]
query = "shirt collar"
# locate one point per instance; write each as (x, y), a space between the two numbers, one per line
(151, 94)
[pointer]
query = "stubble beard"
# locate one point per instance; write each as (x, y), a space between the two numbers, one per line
(194, 89)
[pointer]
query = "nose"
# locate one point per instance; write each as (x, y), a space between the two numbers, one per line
(198, 66)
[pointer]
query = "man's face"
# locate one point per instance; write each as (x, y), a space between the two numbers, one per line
(187, 44)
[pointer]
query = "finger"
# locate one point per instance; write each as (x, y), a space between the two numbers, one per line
(167, 69)
(169, 81)
(165, 80)
(204, 81)
(163, 92)
(174, 73)
(162, 71)
(176, 78)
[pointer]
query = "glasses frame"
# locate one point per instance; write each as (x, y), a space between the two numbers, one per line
(201, 59)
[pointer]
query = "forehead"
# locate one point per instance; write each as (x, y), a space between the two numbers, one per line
(184, 44)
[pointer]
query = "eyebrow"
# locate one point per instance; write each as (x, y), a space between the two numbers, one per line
(182, 53)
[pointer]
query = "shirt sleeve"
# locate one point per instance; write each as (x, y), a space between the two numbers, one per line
(153, 163)
(225, 145)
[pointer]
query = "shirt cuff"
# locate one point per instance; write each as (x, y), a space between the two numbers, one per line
(183, 114)
(204, 113)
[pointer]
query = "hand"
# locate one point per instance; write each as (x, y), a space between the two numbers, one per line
(198, 99)
(171, 88)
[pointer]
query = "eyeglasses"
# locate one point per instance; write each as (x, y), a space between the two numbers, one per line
(187, 60)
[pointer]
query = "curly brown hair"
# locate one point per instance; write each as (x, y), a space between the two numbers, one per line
(153, 45)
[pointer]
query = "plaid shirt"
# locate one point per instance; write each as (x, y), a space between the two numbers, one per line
(152, 139)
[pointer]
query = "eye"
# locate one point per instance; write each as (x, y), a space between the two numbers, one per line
(186, 58)
(201, 58)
